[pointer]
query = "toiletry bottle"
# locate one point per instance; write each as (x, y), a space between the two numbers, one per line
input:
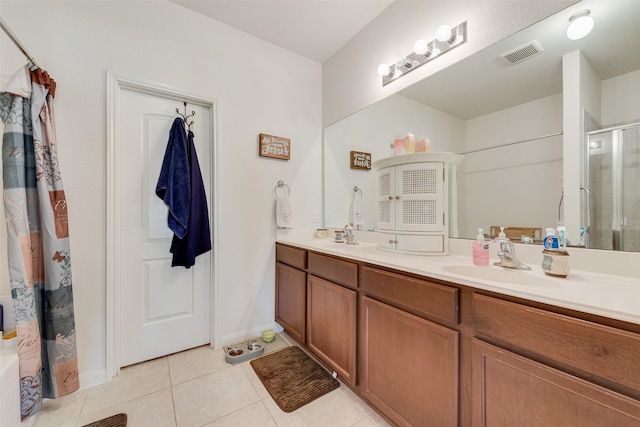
(480, 250)
(502, 235)
(562, 237)
(550, 239)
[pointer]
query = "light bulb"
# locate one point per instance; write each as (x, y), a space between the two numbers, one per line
(443, 34)
(421, 47)
(383, 69)
(581, 25)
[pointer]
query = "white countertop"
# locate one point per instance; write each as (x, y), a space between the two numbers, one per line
(616, 297)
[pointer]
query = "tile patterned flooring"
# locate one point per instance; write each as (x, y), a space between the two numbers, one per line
(198, 388)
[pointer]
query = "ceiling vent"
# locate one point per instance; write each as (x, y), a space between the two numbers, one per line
(523, 52)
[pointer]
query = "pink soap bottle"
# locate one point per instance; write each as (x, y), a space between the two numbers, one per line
(480, 250)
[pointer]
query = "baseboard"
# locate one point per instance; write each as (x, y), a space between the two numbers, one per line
(249, 333)
(93, 378)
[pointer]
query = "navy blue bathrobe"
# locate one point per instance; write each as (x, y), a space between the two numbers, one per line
(181, 188)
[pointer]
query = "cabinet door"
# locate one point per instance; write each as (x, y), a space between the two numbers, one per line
(331, 326)
(409, 366)
(419, 197)
(291, 298)
(386, 193)
(510, 390)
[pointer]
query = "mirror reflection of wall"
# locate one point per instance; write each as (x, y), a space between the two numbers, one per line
(503, 150)
(373, 130)
(519, 182)
(519, 127)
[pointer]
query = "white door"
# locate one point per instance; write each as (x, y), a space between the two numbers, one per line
(163, 310)
(386, 212)
(419, 189)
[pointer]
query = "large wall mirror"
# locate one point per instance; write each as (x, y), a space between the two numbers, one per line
(508, 124)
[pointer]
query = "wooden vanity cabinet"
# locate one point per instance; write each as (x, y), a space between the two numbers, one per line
(332, 314)
(291, 291)
(428, 353)
(331, 326)
(409, 365)
(546, 368)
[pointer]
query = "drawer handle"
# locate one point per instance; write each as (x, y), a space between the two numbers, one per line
(390, 197)
(397, 197)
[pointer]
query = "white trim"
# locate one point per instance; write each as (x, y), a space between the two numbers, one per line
(114, 85)
(92, 378)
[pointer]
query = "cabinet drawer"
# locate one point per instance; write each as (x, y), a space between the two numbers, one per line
(599, 350)
(291, 256)
(426, 297)
(511, 390)
(336, 270)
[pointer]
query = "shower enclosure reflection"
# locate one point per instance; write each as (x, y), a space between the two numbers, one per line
(611, 206)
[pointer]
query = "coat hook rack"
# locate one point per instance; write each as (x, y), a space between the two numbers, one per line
(185, 117)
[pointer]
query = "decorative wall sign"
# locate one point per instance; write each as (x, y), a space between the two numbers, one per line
(360, 160)
(275, 146)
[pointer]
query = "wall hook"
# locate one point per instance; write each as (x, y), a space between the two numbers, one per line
(185, 117)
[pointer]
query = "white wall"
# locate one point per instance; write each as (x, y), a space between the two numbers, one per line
(350, 79)
(580, 94)
(522, 182)
(621, 99)
(258, 87)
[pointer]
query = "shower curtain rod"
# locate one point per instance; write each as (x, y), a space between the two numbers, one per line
(15, 41)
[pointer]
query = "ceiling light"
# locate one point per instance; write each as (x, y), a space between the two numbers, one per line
(580, 25)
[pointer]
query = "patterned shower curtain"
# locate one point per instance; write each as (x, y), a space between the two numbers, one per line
(38, 242)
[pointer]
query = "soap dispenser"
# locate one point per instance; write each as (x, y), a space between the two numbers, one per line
(502, 235)
(480, 250)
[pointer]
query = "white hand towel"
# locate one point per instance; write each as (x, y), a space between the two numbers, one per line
(284, 217)
(357, 218)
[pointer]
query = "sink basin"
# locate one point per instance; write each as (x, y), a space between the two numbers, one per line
(500, 274)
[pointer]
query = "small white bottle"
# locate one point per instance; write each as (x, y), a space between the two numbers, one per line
(480, 250)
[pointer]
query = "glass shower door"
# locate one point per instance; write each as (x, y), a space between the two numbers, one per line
(630, 189)
(612, 200)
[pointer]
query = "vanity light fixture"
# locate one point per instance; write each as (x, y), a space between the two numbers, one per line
(424, 51)
(580, 25)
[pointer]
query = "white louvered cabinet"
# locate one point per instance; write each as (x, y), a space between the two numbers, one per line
(413, 202)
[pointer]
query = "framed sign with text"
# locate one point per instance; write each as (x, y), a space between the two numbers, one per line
(360, 160)
(275, 146)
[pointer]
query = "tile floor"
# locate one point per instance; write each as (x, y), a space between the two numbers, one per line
(198, 388)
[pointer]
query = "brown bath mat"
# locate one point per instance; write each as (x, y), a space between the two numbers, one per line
(292, 378)
(118, 420)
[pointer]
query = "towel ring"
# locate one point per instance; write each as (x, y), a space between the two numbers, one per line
(356, 190)
(282, 186)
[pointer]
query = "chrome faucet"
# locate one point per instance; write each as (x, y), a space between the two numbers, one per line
(348, 234)
(508, 257)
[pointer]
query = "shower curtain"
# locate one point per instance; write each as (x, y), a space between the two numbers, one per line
(38, 243)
